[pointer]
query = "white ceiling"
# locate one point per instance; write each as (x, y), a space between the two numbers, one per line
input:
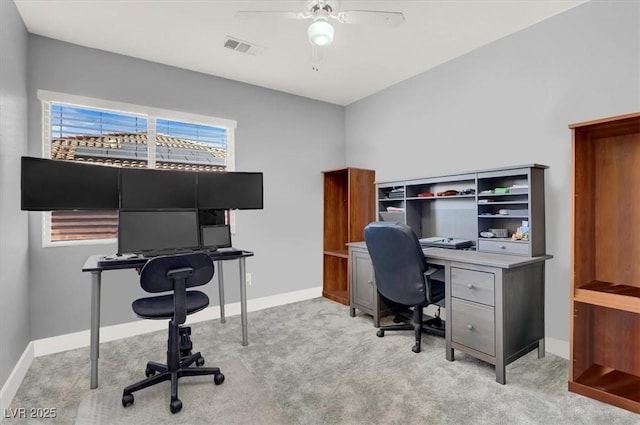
(361, 61)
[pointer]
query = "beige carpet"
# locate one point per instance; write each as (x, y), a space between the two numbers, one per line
(235, 401)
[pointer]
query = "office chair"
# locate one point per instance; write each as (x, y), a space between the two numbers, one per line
(174, 273)
(403, 277)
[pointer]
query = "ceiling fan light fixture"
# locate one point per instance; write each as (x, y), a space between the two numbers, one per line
(320, 33)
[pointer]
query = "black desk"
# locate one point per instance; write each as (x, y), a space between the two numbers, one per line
(92, 266)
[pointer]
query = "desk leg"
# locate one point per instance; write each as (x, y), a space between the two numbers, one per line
(95, 326)
(243, 301)
(221, 292)
(541, 351)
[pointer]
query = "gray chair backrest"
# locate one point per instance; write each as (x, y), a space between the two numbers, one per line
(398, 262)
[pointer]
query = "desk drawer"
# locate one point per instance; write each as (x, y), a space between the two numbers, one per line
(504, 247)
(473, 325)
(472, 285)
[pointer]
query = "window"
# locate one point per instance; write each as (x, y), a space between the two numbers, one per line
(122, 135)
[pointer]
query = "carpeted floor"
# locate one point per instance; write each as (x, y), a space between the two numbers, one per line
(310, 363)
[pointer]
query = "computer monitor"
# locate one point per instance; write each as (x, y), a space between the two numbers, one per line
(157, 189)
(229, 190)
(140, 231)
(215, 236)
(48, 184)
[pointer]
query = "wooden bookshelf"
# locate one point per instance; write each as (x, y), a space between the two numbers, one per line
(348, 207)
(605, 286)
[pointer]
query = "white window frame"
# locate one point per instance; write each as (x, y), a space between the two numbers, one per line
(46, 97)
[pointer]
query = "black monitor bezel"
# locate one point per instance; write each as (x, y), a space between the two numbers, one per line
(148, 189)
(229, 190)
(53, 184)
(203, 227)
(194, 247)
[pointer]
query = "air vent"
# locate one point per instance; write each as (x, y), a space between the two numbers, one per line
(242, 46)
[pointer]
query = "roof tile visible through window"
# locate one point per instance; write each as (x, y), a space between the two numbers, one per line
(130, 150)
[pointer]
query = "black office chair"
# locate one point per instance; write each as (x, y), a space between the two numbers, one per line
(174, 273)
(404, 278)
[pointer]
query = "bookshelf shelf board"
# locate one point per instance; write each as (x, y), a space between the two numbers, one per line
(342, 253)
(605, 294)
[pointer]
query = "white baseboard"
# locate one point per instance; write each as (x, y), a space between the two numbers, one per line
(557, 346)
(10, 387)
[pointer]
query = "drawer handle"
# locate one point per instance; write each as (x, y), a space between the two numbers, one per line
(370, 282)
(470, 327)
(470, 286)
(502, 247)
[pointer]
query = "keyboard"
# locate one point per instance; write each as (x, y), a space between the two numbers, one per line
(226, 251)
(157, 253)
(121, 260)
(449, 243)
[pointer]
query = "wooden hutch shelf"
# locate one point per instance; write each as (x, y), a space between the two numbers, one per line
(605, 321)
(348, 206)
(621, 297)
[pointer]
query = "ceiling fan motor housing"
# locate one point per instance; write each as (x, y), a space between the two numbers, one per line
(327, 5)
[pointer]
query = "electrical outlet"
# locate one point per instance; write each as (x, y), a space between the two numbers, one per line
(248, 279)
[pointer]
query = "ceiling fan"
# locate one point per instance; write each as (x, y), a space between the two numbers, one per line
(321, 12)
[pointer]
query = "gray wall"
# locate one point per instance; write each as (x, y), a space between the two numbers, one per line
(510, 103)
(274, 136)
(14, 283)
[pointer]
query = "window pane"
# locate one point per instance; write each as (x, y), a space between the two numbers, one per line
(100, 137)
(188, 146)
(83, 225)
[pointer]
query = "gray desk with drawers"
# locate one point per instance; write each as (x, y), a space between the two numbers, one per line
(494, 302)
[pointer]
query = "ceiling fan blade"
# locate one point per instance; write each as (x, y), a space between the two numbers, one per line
(273, 15)
(371, 17)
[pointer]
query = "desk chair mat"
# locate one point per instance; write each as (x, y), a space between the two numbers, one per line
(240, 400)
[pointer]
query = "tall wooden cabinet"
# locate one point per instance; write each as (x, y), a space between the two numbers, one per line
(349, 205)
(605, 287)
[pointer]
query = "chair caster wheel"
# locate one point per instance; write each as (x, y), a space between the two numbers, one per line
(149, 372)
(380, 333)
(199, 361)
(127, 400)
(218, 379)
(175, 406)
(415, 348)
(397, 320)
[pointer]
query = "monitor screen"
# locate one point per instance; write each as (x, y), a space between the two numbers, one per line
(214, 237)
(48, 184)
(141, 231)
(229, 190)
(157, 189)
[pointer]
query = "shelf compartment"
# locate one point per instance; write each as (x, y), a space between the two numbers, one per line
(336, 285)
(605, 365)
(431, 198)
(503, 203)
(500, 195)
(620, 297)
(501, 216)
(610, 385)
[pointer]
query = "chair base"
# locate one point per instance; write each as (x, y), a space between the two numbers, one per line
(432, 325)
(177, 366)
(163, 374)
